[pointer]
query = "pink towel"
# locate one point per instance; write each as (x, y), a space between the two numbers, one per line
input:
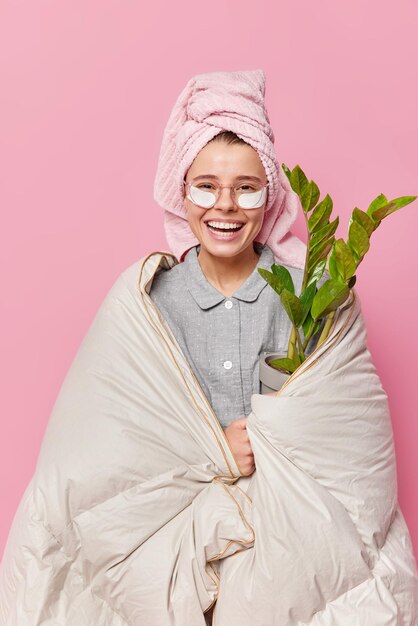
(209, 104)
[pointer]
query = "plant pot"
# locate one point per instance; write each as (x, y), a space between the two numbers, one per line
(271, 379)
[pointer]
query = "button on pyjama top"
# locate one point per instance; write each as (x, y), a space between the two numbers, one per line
(222, 337)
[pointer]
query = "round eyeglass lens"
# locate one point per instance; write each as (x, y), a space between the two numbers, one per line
(205, 198)
(251, 199)
(248, 196)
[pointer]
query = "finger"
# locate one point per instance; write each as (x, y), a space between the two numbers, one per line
(249, 470)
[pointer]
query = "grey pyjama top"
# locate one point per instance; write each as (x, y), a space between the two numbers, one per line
(223, 338)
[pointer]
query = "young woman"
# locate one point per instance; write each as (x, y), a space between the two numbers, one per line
(219, 307)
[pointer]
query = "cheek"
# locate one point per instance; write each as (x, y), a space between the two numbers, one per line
(257, 220)
(194, 215)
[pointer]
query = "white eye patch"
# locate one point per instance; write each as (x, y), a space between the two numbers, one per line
(252, 200)
(206, 199)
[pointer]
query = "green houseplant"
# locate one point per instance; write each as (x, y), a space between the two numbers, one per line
(315, 307)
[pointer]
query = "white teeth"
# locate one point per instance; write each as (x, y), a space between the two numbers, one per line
(223, 225)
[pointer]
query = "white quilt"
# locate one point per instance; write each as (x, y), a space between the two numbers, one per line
(137, 514)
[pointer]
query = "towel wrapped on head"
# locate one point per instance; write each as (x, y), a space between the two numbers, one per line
(209, 104)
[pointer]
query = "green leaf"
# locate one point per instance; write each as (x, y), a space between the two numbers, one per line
(306, 326)
(402, 201)
(273, 280)
(381, 212)
(345, 263)
(307, 191)
(322, 233)
(363, 219)
(321, 252)
(317, 272)
(310, 196)
(332, 264)
(391, 207)
(358, 239)
(284, 364)
(306, 298)
(292, 306)
(354, 253)
(379, 201)
(329, 297)
(320, 214)
(284, 276)
(299, 183)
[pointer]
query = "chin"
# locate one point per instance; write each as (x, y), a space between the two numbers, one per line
(224, 248)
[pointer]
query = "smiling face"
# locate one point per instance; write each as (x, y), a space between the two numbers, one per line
(229, 163)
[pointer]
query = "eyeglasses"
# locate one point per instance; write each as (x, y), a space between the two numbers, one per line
(205, 193)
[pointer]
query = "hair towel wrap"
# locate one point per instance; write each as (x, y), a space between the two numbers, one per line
(209, 104)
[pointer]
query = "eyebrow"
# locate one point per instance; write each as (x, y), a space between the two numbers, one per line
(236, 177)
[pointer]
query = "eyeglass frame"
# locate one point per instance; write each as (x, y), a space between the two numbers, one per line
(189, 182)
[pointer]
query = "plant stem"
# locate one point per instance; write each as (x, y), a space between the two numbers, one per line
(309, 335)
(294, 336)
(291, 345)
(326, 329)
(299, 342)
(305, 273)
(291, 350)
(295, 350)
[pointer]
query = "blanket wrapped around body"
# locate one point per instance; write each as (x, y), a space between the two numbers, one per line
(137, 513)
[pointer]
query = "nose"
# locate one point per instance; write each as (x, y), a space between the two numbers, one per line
(225, 201)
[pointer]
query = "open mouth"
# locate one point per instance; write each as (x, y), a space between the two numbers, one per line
(225, 230)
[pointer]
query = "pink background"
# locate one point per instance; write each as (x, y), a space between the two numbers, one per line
(86, 90)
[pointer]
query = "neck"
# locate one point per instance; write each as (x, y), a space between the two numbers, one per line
(226, 274)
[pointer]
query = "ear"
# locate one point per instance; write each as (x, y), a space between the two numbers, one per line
(183, 189)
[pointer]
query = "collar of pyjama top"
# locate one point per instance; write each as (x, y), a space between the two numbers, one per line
(206, 295)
